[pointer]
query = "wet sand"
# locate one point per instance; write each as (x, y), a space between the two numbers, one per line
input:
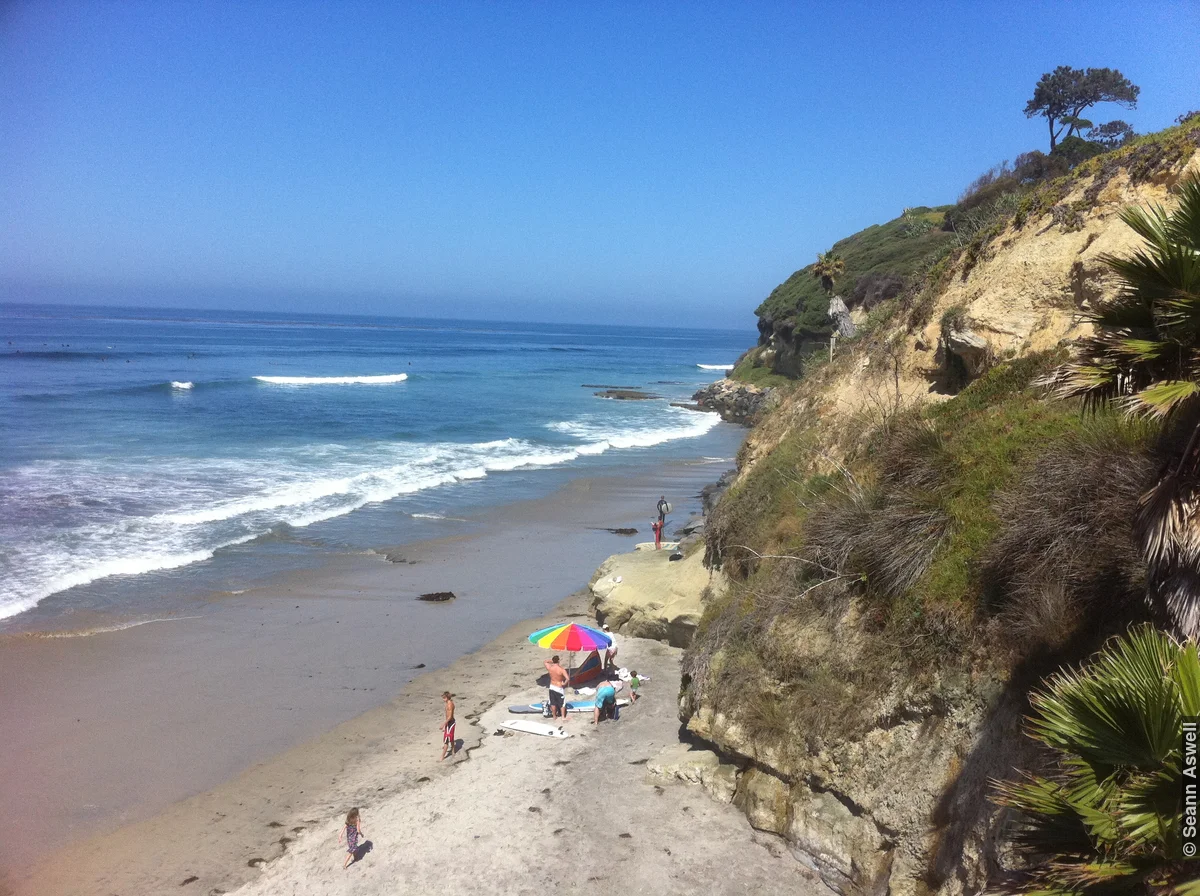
(116, 728)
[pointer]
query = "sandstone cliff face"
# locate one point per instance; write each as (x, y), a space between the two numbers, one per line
(1024, 295)
(894, 809)
(644, 594)
(898, 805)
(1027, 294)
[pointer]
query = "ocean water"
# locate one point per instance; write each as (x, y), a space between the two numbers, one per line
(137, 442)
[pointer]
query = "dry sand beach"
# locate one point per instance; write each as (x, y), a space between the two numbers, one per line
(508, 814)
(317, 651)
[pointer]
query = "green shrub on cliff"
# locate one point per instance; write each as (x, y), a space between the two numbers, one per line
(937, 530)
(895, 249)
(1106, 819)
(1143, 359)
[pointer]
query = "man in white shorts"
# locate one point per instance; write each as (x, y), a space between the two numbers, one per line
(610, 655)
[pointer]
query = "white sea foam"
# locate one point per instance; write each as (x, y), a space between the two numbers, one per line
(106, 629)
(132, 516)
(176, 384)
(382, 380)
(599, 434)
(716, 366)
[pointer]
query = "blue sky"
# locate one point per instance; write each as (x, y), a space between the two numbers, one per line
(604, 162)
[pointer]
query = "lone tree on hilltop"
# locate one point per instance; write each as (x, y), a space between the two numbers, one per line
(1062, 95)
(1144, 357)
(828, 267)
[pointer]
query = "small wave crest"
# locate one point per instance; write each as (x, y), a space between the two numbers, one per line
(716, 366)
(102, 629)
(381, 380)
(600, 435)
(181, 385)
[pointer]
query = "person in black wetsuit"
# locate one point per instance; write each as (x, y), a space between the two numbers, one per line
(662, 509)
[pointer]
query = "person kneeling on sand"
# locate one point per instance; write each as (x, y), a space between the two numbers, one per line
(448, 725)
(559, 679)
(606, 703)
(351, 833)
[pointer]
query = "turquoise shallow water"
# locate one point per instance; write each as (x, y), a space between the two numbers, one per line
(138, 444)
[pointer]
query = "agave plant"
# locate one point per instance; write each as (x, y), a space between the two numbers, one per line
(1145, 357)
(1107, 820)
(827, 268)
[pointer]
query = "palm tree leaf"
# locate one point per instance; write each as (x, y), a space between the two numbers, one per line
(1184, 226)
(1150, 223)
(1122, 711)
(1161, 399)
(1186, 673)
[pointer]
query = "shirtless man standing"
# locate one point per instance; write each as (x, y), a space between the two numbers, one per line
(448, 726)
(559, 679)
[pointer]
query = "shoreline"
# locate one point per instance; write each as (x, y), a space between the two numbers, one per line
(273, 829)
(338, 591)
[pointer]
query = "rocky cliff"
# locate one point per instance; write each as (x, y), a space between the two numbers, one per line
(736, 402)
(862, 731)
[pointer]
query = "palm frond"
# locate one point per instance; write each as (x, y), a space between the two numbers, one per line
(1184, 226)
(1161, 399)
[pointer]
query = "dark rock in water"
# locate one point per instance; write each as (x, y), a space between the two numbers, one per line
(438, 596)
(625, 395)
(711, 494)
(419, 666)
(687, 406)
(616, 531)
(609, 386)
(735, 402)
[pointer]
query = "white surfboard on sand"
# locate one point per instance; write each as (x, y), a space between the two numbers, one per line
(534, 728)
(572, 706)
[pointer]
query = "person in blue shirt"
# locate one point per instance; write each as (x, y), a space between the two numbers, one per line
(606, 702)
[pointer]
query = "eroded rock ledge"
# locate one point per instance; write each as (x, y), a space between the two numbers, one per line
(736, 402)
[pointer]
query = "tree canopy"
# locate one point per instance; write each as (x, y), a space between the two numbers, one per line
(1062, 95)
(827, 268)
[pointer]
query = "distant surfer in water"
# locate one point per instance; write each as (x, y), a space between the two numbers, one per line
(559, 679)
(448, 726)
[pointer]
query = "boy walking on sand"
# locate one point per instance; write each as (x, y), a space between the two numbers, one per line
(448, 725)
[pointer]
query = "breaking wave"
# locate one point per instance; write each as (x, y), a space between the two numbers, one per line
(381, 380)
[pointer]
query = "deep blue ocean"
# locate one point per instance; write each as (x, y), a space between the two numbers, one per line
(135, 441)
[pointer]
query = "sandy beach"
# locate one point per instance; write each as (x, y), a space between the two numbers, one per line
(193, 747)
(509, 814)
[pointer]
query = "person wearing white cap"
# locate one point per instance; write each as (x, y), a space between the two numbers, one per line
(610, 655)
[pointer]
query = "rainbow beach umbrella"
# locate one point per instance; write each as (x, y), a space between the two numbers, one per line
(571, 637)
